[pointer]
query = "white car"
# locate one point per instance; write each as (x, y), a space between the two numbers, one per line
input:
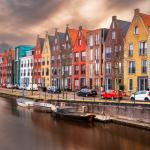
(140, 96)
(9, 86)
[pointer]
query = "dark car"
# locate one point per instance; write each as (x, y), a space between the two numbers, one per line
(87, 92)
(54, 89)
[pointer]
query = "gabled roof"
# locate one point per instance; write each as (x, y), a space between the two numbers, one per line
(41, 42)
(124, 26)
(146, 19)
(73, 35)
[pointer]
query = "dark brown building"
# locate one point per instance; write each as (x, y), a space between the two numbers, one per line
(56, 58)
(114, 54)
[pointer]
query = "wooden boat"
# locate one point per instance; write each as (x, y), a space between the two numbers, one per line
(42, 107)
(23, 102)
(73, 114)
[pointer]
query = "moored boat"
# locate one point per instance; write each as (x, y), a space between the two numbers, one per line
(23, 102)
(72, 113)
(42, 107)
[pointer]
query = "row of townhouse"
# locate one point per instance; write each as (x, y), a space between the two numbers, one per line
(114, 58)
(7, 67)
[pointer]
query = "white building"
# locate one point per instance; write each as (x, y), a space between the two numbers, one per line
(26, 70)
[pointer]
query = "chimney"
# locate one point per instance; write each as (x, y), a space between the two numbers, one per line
(136, 11)
(114, 18)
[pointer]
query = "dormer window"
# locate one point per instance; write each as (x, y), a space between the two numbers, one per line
(136, 30)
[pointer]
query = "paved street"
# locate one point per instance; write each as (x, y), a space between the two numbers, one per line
(67, 96)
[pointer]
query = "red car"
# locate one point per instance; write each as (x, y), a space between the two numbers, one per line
(112, 94)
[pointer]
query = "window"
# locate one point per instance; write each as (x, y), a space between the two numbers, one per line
(47, 60)
(91, 40)
(39, 72)
(70, 57)
(42, 71)
(83, 54)
(79, 42)
(142, 48)
(108, 53)
(136, 30)
(70, 70)
(97, 68)
(52, 59)
(91, 70)
(91, 54)
(108, 68)
(130, 84)
(132, 67)
(97, 38)
(96, 83)
(97, 54)
(108, 84)
(39, 62)
(144, 66)
(76, 69)
(113, 25)
(83, 69)
(143, 84)
(130, 50)
(67, 37)
(76, 83)
(118, 67)
(55, 40)
(43, 61)
(113, 35)
(47, 71)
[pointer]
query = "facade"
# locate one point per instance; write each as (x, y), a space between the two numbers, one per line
(79, 60)
(26, 70)
(46, 59)
(94, 58)
(56, 59)
(70, 37)
(20, 51)
(38, 61)
(114, 54)
(137, 54)
(1, 68)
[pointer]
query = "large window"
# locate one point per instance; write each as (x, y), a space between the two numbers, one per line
(76, 57)
(130, 84)
(108, 68)
(97, 68)
(83, 69)
(108, 53)
(143, 84)
(142, 48)
(97, 54)
(132, 67)
(144, 66)
(130, 50)
(91, 54)
(83, 56)
(76, 69)
(97, 38)
(91, 70)
(76, 83)
(108, 84)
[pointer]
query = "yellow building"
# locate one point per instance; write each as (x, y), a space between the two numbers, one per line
(136, 54)
(46, 61)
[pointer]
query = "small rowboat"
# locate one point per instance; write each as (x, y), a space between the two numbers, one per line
(23, 102)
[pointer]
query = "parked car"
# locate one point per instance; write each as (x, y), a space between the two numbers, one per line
(9, 86)
(54, 89)
(140, 96)
(4, 85)
(20, 87)
(112, 94)
(16, 86)
(33, 87)
(87, 92)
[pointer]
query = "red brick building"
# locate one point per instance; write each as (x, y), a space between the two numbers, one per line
(94, 58)
(79, 60)
(37, 60)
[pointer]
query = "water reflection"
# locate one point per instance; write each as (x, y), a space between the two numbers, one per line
(22, 129)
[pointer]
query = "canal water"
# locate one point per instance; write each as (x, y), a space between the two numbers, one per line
(22, 129)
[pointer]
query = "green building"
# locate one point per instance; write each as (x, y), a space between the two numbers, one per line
(20, 51)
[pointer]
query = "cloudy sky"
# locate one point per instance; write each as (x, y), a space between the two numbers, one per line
(22, 20)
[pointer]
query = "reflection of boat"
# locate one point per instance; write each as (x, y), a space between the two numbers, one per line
(42, 107)
(73, 114)
(24, 102)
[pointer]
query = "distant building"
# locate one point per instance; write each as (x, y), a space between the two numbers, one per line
(46, 64)
(56, 58)
(37, 77)
(79, 60)
(94, 58)
(20, 51)
(114, 54)
(137, 54)
(26, 70)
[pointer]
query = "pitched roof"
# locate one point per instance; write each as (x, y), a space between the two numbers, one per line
(73, 35)
(41, 42)
(124, 26)
(146, 19)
